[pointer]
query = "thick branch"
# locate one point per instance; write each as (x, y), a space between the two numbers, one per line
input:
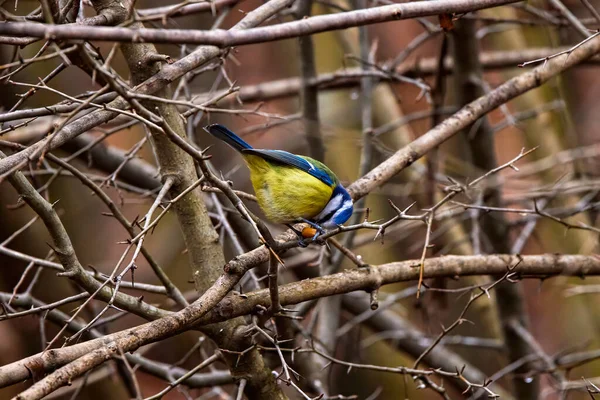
(541, 266)
(223, 38)
(204, 311)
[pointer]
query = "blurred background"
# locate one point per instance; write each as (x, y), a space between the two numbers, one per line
(561, 175)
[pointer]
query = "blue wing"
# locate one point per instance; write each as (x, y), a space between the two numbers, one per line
(283, 157)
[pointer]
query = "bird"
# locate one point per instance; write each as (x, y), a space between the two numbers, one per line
(292, 188)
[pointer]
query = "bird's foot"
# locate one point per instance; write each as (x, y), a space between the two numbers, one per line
(309, 234)
(316, 237)
(301, 237)
(312, 224)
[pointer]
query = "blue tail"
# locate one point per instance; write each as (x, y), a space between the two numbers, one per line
(224, 134)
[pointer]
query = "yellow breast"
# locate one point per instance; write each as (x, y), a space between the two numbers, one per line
(286, 193)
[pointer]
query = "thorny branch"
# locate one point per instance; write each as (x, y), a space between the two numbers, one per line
(259, 335)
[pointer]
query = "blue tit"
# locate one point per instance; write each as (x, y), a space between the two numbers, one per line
(292, 188)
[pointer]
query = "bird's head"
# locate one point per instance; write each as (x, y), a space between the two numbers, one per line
(338, 210)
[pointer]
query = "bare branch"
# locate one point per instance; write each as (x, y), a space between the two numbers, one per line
(223, 39)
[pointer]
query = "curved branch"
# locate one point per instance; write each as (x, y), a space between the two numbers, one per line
(539, 266)
(468, 115)
(206, 311)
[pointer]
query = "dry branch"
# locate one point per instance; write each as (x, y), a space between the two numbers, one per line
(390, 167)
(223, 38)
(208, 309)
(218, 311)
(468, 115)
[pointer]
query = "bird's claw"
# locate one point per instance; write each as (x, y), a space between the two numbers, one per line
(302, 239)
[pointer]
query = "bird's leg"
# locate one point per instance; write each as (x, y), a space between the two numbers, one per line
(317, 227)
(301, 241)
